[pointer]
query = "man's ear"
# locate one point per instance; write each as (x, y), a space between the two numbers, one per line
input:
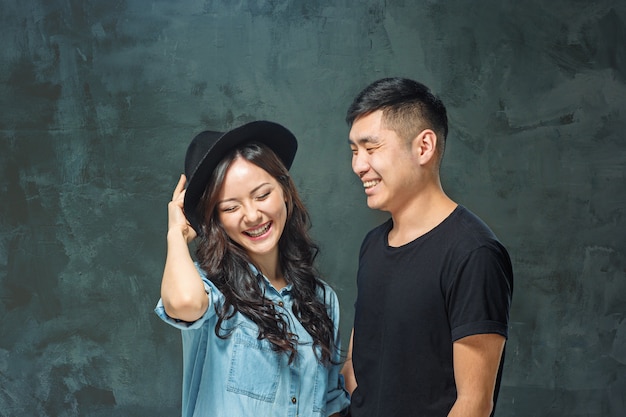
(424, 146)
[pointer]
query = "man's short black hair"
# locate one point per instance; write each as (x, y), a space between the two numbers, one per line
(401, 99)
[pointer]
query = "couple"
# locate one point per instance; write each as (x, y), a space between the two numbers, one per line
(260, 328)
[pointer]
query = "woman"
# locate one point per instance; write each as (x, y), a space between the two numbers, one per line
(260, 329)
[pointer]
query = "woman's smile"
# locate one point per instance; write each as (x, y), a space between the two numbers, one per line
(259, 231)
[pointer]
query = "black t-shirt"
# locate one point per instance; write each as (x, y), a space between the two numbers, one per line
(413, 302)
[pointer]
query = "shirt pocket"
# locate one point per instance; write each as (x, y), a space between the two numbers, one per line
(254, 368)
(320, 389)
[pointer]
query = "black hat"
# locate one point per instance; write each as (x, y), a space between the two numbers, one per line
(208, 148)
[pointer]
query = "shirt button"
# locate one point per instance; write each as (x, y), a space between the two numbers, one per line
(281, 304)
(293, 400)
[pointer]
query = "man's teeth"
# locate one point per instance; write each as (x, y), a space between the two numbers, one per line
(258, 232)
(368, 184)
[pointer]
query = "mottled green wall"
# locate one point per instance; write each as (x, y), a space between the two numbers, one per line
(98, 100)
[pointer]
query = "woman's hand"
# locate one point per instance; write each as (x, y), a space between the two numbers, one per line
(182, 289)
(176, 216)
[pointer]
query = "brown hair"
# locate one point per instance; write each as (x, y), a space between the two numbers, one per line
(227, 264)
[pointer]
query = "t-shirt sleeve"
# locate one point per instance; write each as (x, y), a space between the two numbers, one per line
(184, 325)
(479, 298)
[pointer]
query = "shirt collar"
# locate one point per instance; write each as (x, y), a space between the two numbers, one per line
(268, 284)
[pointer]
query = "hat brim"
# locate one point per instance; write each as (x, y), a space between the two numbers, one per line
(275, 136)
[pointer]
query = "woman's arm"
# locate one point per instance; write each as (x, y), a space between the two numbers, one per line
(337, 397)
(182, 289)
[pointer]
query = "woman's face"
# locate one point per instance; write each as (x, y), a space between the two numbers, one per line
(251, 207)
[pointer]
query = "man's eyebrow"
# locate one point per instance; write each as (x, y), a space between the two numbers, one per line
(364, 140)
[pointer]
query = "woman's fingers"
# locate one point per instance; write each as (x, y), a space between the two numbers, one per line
(179, 191)
(176, 214)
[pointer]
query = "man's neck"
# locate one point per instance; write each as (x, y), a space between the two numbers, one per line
(424, 213)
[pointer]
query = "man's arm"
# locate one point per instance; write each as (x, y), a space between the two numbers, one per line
(476, 362)
(348, 371)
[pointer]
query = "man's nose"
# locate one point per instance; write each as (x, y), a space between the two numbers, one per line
(360, 163)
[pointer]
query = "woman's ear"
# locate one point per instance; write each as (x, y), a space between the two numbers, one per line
(424, 146)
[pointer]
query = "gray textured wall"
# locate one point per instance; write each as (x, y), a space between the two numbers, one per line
(98, 100)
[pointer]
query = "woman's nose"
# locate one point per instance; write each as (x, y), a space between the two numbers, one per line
(251, 213)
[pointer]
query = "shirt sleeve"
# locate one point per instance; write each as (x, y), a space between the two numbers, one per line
(479, 298)
(337, 398)
(212, 293)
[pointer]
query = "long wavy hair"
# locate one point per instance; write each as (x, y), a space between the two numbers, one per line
(227, 264)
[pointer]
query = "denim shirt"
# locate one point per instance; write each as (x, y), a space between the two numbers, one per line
(241, 376)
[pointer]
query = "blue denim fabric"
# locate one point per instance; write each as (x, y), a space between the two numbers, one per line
(242, 376)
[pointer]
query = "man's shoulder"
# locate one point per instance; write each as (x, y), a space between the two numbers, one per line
(465, 222)
(472, 234)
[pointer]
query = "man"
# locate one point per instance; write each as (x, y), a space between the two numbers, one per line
(434, 284)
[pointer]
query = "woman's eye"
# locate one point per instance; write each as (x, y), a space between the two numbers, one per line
(263, 196)
(229, 209)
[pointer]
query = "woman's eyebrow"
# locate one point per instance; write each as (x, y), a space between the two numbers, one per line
(254, 190)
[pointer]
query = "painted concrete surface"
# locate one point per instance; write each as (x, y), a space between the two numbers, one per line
(99, 100)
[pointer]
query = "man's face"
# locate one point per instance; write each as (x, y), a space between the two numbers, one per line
(384, 163)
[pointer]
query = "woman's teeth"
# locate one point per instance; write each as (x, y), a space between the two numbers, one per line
(258, 232)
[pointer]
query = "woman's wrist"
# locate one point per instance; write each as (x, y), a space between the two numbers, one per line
(177, 234)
